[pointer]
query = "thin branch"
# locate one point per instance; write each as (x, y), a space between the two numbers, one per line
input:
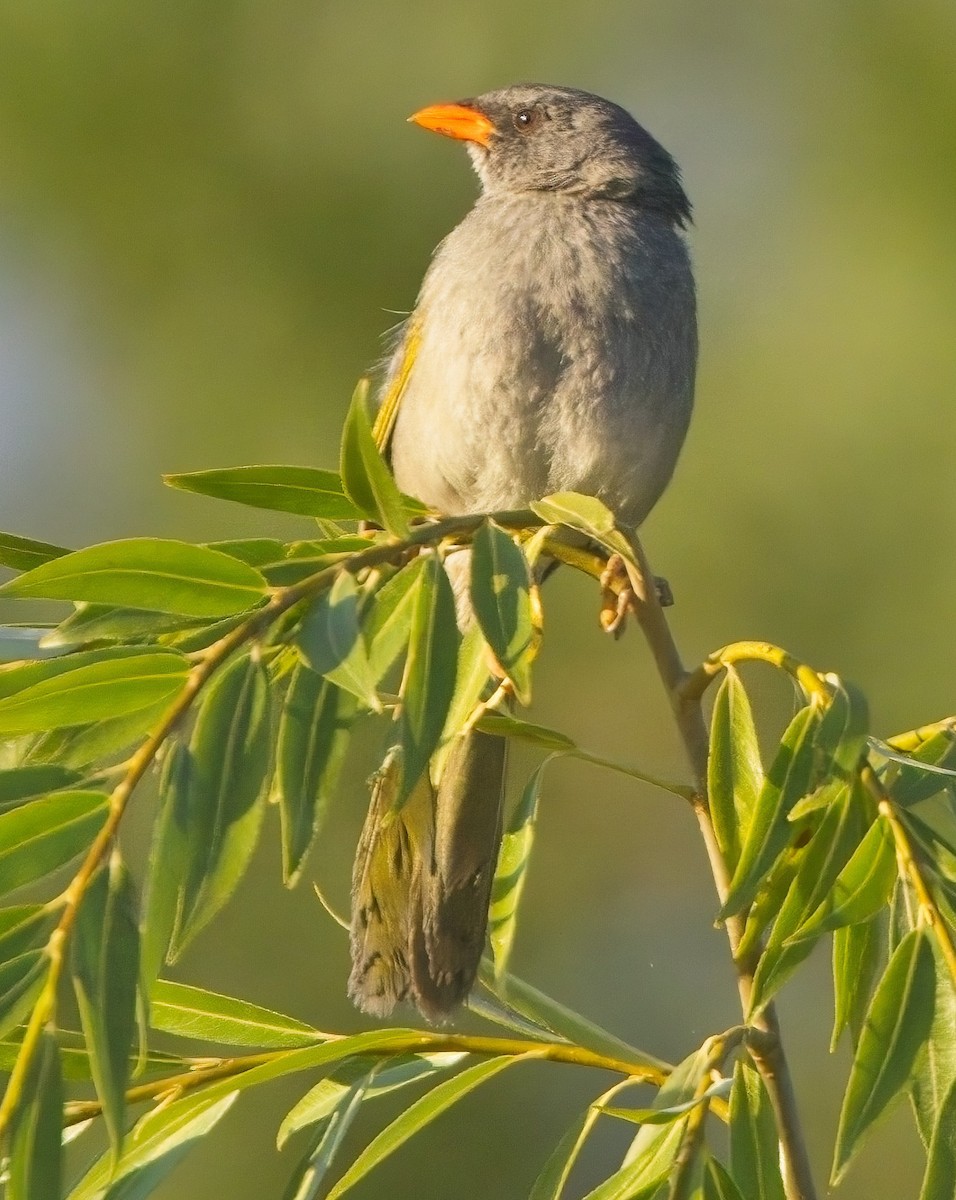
(684, 691)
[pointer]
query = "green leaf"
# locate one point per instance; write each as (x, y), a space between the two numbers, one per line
(788, 780)
(314, 731)
(98, 691)
(939, 1182)
(257, 552)
(156, 1144)
(92, 623)
(510, 873)
(365, 477)
(936, 1065)
(819, 863)
(644, 1171)
(501, 600)
(390, 617)
(897, 1024)
(916, 781)
(45, 834)
(153, 573)
(420, 1114)
(326, 1140)
(672, 1112)
(430, 668)
(195, 1012)
(718, 1184)
(754, 1152)
(588, 515)
(856, 953)
(78, 746)
(35, 1168)
(862, 888)
(332, 642)
(23, 927)
(75, 1058)
(842, 734)
(734, 771)
(308, 558)
(229, 752)
(526, 731)
(23, 554)
(306, 491)
(168, 861)
(26, 783)
(21, 979)
(105, 973)
(554, 1175)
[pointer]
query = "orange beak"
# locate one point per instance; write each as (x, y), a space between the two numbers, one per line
(457, 121)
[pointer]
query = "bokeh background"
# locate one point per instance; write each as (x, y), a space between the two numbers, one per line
(211, 210)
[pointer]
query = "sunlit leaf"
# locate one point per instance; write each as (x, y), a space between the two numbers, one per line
(168, 861)
(897, 1024)
(939, 1182)
(513, 857)
(45, 834)
(856, 953)
(26, 783)
(195, 1012)
(501, 600)
(92, 623)
(734, 771)
(429, 682)
(526, 731)
(842, 733)
(23, 927)
(306, 491)
(754, 1157)
(588, 515)
(644, 1171)
(229, 752)
(314, 733)
(420, 1114)
(327, 1137)
(936, 1064)
(390, 617)
(35, 1161)
(549, 1185)
(787, 781)
(365, 477)
(671, 1112)
(21, 979)
(23, 554)
(75, 1058)
(332, 642)
(105, 973)
(718, 1184)
(94, 692)
(915, 781)
(153, 573)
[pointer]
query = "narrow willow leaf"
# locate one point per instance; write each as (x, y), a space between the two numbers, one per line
(788, 780)
(77, 746)
(718, 1184)
(644, 1172)
(939, 1182)
(511, 870)
(754, 1153)
(35, 1158)
(734, 771)
(306, 491)
(21, 979)
(365, 477)
(332, 643)
(936, 1065)
(229, 751)
(75, 1058)
(26, 783)
(23, 554)
(861, 889)
(156, 1144)
(314, 731)
(856, 954)
(105, 973)
(153, 573)
(95, 692)
(93, 623)
(390, 618)
(168, 861)
(672, 1112)
(472, 678)
(45, 834)
(430, 668)
(897, 1024)
(842, 734)
(17, 677)
(819, 863)
(556, 1171)
(526, 731)
(23, 927)
(309, 558)
(501, 600)
(195, 1012)
(586, 514)
(420, 1114)
(915, 781)
(326, 1140)
(254, 551)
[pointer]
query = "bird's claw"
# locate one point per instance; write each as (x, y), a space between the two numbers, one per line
(617, 596)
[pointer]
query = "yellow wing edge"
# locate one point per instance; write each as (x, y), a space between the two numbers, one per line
(388, 410)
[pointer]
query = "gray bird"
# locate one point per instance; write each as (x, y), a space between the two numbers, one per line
(552, 348)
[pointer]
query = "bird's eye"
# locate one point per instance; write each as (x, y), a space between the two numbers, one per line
(525, 118)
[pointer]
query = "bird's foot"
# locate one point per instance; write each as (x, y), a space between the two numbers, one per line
(618, 598)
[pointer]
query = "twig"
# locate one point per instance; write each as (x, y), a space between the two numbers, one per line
(684, 691)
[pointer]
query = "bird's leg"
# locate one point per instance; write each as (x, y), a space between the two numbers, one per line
(617, 595)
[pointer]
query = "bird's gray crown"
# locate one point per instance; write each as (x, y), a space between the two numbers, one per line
(563, 140)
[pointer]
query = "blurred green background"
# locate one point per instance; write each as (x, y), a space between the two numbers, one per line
(211, 211)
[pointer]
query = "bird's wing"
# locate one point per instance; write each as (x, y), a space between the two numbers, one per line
(399, 375)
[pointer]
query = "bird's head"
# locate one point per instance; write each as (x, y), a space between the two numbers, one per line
(537, 138)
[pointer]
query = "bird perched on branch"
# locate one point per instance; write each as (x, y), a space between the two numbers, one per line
(552, 348)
